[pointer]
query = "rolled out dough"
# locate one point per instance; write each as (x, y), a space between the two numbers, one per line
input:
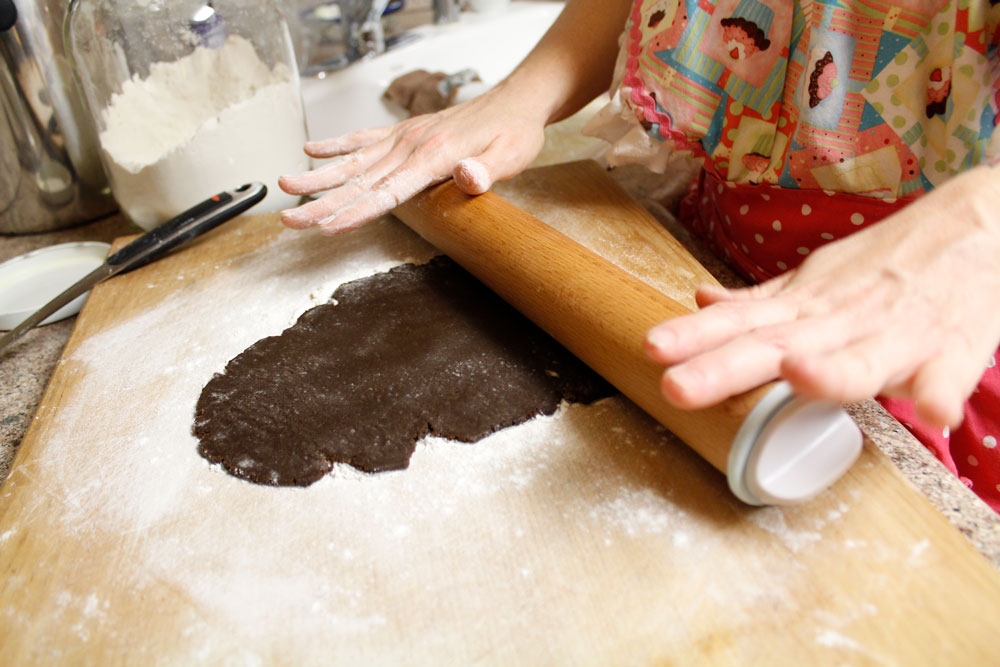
(414, 351)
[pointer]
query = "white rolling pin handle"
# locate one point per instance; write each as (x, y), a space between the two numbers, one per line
(789, 449)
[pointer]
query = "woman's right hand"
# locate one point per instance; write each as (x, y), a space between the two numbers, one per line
(487, 139)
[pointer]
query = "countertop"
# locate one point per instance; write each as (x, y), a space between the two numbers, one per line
(27, 366)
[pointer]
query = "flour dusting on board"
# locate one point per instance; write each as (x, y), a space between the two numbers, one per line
(834, 639)
(528, 544)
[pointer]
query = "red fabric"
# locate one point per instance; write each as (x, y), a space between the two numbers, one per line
(765, 230)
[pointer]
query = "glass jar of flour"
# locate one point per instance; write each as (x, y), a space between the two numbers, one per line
(191, 97)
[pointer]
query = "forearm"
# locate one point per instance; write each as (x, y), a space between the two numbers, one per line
(573, 62)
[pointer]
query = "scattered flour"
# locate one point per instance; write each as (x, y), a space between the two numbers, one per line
(207, 122)
(836, 640)
(916, 554)
(641, 511)
(527, 545)
(772, 519)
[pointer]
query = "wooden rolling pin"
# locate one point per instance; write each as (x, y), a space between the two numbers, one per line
(601, 314)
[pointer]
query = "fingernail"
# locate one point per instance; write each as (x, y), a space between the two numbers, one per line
(661, 338)
(474, 174)
(287, 183)
(686, 378)
(289, 218)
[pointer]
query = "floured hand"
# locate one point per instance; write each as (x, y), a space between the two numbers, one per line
(908, 307)
(478, 142)
(489, 138)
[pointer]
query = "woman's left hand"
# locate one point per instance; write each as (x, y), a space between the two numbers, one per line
(908, 307)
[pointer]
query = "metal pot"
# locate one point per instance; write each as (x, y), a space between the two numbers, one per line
(50, 169)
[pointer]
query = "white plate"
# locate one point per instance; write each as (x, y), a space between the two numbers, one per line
(30, 281)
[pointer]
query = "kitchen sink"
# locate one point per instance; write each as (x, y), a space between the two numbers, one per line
(491, 44)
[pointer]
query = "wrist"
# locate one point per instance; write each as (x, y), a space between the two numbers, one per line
(533, 94)
(977, 195)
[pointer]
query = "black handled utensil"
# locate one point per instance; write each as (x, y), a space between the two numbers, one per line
(152, 245)
(8, 15)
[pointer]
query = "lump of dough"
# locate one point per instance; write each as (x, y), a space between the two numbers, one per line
(421, 92)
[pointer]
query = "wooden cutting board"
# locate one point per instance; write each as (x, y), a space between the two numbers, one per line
(591, 537)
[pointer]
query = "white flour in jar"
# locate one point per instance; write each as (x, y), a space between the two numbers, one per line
(204, 123)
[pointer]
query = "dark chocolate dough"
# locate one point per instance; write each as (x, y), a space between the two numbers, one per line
(421, 92)
(417, 350)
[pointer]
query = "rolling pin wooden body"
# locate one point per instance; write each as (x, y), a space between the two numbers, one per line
(595, 309)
